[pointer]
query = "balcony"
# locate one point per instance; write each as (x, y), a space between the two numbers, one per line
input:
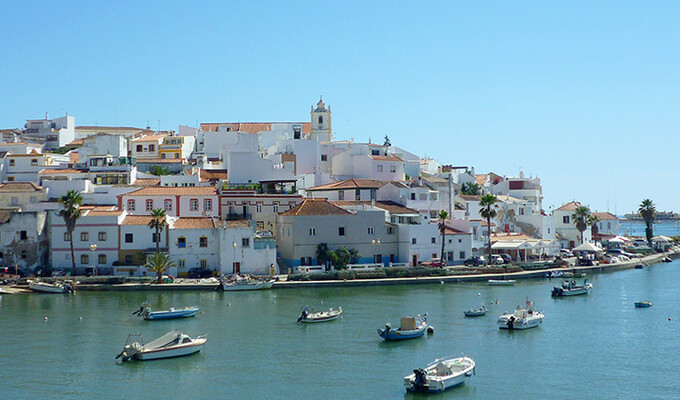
(238, 216)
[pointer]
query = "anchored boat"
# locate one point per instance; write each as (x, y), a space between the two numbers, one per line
(522, 318)
(643, 304)
(570, 288)
(238, 282)
(172, 344)
(309, 316)
(410, 328)
(476, 312)
(56, 287)
(439, 375)
(501, 282)
(145, 311)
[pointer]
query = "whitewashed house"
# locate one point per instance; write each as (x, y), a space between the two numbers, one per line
(176, 201)
(53, 133)
(24, 242)
(565, 229)
(609, 224)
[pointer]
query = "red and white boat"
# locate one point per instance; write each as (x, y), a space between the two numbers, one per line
(172, 344)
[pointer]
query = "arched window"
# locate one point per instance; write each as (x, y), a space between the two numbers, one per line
(320, 119)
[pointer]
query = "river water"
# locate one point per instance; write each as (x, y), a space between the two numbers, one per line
(595, 347)
(637, 228)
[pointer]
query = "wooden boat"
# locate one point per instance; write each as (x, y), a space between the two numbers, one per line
(309, 316)
(570, 288)
(501, 282)
(57, 287)
(643, 304)
(145, 311)
(476, 312)
(410, 328)
(439, 375)
(522, 318)
(172, 344)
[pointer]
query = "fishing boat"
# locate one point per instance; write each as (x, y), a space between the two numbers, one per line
(439, 375)
(643, 304)
(570, 288)
(238, 282)
(522, 318)
(56, 287)
(146, 312)
(475, 312)
(410, 328)
(172, 344)
(309, 316)
(501, 282)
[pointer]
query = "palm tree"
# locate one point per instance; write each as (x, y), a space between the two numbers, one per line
(580, 219)
(159, 263)
(488, 211)
(70, 203)
(647, 211)
(442, 229)
(592, 221)
(157, 223)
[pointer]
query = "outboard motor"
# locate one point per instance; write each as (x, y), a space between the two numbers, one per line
(420, 382)
(303, 315)
(388, 327)
(511, 322)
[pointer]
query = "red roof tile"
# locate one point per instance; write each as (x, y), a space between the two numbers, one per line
(350, 184)
(571, 206)
(174, 191)
(315, 207)
(196, 223)
(252, 127)
(605, 216)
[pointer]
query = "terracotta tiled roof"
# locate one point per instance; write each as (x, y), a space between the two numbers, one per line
(350, 184)
(315, 207)
(149, 138)
(5, 215)
(102, 213)
(77, 142)
(239, 223)
(49, 171)
(137, 220)
(252, 127)
(505, 236)
(160, 160)
(389, 206)
(605, 216)
(20, 187)
(571, 206)
(469, 197)
(454, 231)
(213, 174)
(196, 223)
(174, 191)
(386, 158)
(147, 182)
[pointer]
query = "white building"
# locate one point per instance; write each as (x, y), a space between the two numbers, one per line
(23, 239)
(53, 133)
(176, 201)
(565, 229)
(608, 225)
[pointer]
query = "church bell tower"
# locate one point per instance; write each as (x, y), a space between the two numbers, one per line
(321, 123)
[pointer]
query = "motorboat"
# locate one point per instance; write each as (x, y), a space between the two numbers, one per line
(146, 312)
(475, 312)
(310, 316)
(553, 274)
(439, 375)
(410, 328)
(238, 282)
(522, 318)
(571, 288)
(56, 287)
(643, 304)
(666, 259)
(501, 282)
(172, 344)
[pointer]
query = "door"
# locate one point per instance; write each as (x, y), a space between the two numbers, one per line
(237, 268)
(415, 260)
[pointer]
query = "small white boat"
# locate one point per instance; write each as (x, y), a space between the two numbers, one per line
(238, 282)
(439, 375)
(522, 318)
(570, 288)
(146, 312)
(643, 304)
(172, 344)
(309, 316)
(410, 328)
(501, 282)
(476, 312)
(56, 287)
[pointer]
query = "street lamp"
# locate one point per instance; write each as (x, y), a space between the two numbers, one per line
(233, 264)
(93, 248)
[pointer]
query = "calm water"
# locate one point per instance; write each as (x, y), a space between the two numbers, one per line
(595, 346)
(666, 228)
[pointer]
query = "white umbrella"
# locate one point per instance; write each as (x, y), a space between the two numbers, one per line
(589, 247)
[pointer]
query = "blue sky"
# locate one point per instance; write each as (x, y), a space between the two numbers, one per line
(583, 95)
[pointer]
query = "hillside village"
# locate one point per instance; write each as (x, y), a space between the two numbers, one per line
(257, 198)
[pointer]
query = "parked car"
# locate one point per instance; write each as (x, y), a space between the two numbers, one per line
(433, 263)
(475, 261)
(506, 258)
(566, 253)
(497, 260)
(199, 273)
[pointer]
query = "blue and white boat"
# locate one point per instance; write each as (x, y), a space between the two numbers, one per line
(410, 328)
(146, 312)
(643, 304)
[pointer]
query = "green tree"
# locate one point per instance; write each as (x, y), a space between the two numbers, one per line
(580, 219)
(157, 223)
(443, 215)
(594, 230)
(324, 255)
(647, 211)
(344, 256)
(159, 263)
(159, 170)
(469, 188)
(70, 212)
(488, 210)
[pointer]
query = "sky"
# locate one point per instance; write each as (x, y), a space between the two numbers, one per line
(582, 94)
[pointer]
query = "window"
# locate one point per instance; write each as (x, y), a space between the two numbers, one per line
(11, 162)
(84, 259)
(374, 194)
(434, 240)
(258, 207)
(312, 231)
(413, 196)
(128, 238)
(67, 237)
(433, 214)
(10, 179)
(129, 259)
(324, 157)
(341, 195)
(414, 241)
(181, 264)
(102, 259)
(176, 155)
(140, 148)
(375, 152)
(207, 204)
(449, 255)
(357, 194)
(162, 155)
(341, 231)
(393, 168)
(167, 205)
(390, 230)
(565, 219)
(101, 236)
(34, 161)
(84, 236)
(380, 168)
(193, 205)
(422, 196)
(22, 235)
(131, 205)
(276, 208)
(521, 211)
(320, 120)
(245, 242)
(181, 242)
(462, 255)
(152, 147)
(434, 255)
(371, 230)
(155, 238)
(203, 241)
(149, 205)
(204, 264)
(377, 258)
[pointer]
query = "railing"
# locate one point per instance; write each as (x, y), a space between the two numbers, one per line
(237, 216)
(310, 269)
(364, 267)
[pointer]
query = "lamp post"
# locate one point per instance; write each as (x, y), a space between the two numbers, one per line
(376, 243)
(233, 244)
(93, 248)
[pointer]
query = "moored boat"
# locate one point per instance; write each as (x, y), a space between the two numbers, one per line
(172, 344)
(56, 287)
(246, 283)
(439, 375)
(309, 316)
(146, 312)
(570, 288)
(522, 318)
(501, 282)
(476, 312)
(410, 328)
(643, 304)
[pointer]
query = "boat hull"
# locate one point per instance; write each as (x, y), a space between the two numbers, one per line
(474, 313)
(434, 383)
(46, 288)
(643, 304)
(178, 351)
(519, 323)
(170, 314)
(396, 334)
(248, 286)
(494, 282)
